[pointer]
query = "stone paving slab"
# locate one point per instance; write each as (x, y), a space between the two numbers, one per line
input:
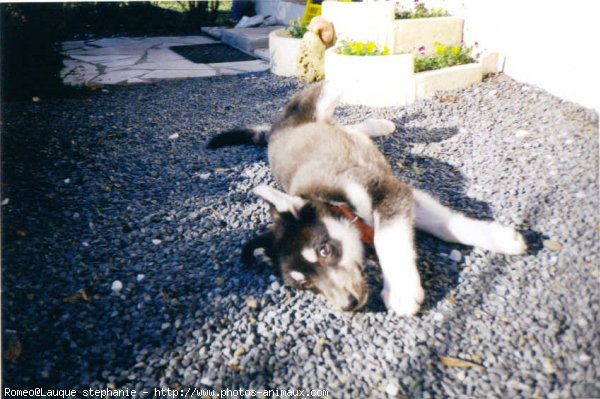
(213, 31)
(248, 39)
(127, 60)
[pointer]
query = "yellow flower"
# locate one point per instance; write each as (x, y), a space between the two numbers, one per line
(386, 50)
(358, 47)
(440, 49)
(455, 50)
(370, 46)
(291, 22)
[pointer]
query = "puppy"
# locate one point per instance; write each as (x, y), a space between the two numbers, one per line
(320, 165)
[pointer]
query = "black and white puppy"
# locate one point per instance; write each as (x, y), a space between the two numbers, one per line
(318, 163)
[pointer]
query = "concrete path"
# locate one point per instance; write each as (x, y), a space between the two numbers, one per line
(126, 60)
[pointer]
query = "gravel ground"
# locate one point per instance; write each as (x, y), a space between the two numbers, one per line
(122, 236)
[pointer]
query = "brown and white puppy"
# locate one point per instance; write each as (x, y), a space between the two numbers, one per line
(318, 162)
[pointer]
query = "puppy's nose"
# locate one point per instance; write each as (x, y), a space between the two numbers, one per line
(352, 303)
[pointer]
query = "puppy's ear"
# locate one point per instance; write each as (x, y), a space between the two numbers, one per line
(279, 200)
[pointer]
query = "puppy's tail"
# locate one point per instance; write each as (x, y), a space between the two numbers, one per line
(256, 135)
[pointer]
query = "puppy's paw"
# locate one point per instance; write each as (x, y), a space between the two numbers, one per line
(507, 240)
(405, 302)
(376, 127)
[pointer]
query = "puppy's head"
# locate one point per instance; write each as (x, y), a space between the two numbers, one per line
(316, 249)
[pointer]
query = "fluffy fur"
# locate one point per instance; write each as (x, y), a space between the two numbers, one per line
(318, 162)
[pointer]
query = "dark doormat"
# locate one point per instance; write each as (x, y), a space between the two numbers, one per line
(211, 53)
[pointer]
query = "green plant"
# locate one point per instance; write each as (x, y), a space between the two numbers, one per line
(420, 11)
(445, 56)
(351, 47)
(297, 28)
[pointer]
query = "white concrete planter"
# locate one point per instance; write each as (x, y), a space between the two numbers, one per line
(283, 51)
(362, 21)
(377, 81)
(411, 34)
(457, 77)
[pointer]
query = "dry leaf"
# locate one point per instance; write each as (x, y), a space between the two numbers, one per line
(476, 358)
(416, 170)
(80, 295)
(14, 348)
(239, 351)
(552, 245)
(449, 99)
(454, 362)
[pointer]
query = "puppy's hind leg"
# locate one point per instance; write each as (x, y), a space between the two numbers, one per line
(440, 221)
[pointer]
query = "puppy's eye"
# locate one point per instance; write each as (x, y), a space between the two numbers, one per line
(325, 250)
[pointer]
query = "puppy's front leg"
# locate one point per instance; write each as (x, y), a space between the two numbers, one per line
(394, 243)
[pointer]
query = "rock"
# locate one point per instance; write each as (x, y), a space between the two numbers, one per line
(251, 302)
(174, 136)
(455, 255)
(392, 389)
(310, 64)
(116, 286)
(521, 133)
(156, 241)
(548, 365)
(585, 359)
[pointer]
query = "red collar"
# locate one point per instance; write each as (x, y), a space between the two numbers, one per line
(366, 231)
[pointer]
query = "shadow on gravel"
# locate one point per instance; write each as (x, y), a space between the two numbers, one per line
(439, 273)
(93, 202)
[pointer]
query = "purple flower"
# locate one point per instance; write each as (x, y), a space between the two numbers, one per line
(422, 50)
(476, 44)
